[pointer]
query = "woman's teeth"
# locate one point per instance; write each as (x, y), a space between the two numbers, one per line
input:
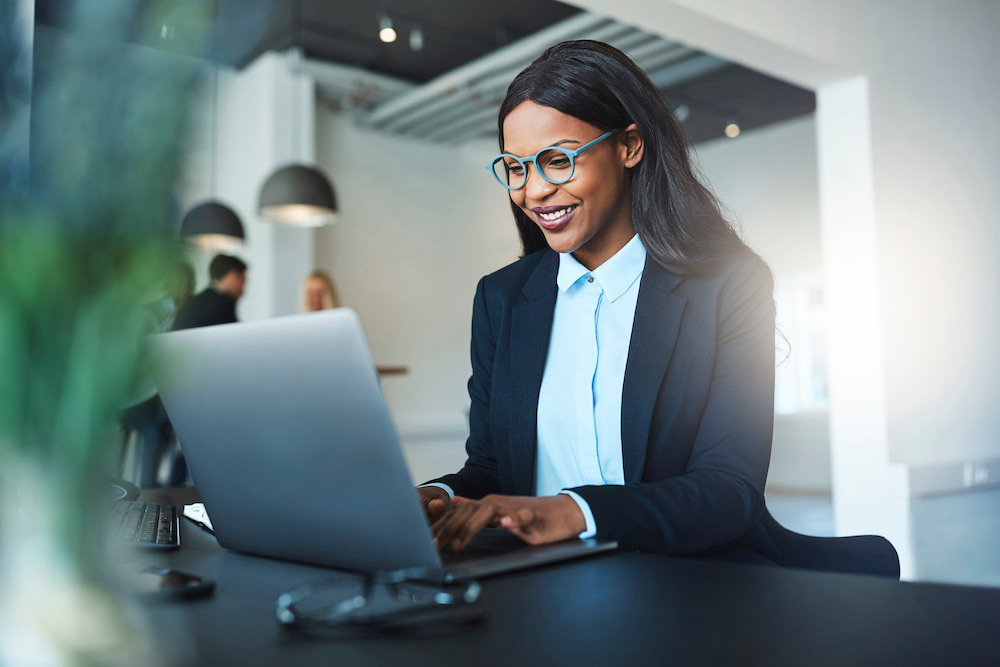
(555, 215)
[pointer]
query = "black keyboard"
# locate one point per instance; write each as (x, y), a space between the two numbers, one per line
(146, 524)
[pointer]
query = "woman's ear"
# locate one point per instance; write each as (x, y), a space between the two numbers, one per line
(632, 146)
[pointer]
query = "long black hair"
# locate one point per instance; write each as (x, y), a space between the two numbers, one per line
(677, 218)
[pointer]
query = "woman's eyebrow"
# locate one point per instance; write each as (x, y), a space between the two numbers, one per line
(558, 143)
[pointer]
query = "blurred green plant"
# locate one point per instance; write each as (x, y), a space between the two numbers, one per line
(96, 230)
(85, 235)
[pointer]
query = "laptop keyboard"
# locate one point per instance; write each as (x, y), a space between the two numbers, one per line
(146, 524)
(489, 542)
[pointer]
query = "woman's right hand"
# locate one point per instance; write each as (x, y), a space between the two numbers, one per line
(435, 501)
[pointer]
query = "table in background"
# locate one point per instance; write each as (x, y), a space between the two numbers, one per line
(621, 608)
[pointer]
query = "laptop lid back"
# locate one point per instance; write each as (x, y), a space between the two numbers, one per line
(289, 441)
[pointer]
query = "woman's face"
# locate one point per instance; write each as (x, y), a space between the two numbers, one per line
(315, 291)
(589, 215)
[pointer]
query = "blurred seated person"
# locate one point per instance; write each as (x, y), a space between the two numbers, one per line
(144, 413)
(217, 303)
(319, 292)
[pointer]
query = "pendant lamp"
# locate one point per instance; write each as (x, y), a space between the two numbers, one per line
(211, 225)
(299, 196)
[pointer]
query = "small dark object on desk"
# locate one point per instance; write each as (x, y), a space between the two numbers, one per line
(154, 583)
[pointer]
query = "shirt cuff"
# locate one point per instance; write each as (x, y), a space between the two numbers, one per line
(588, 516)
(451, 494)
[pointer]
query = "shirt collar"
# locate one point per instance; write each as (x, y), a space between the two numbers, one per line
(615, 275)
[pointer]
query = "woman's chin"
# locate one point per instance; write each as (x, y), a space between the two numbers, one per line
(561, 242)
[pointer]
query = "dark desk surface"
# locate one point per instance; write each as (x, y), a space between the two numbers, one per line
(620, 608)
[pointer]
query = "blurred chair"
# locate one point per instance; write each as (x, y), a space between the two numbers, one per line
(859, 554)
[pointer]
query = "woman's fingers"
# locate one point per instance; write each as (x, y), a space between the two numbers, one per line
(483, 514)
(534, 520)
(435, 502)
(435, 509)
(470, 516)
(523, 522)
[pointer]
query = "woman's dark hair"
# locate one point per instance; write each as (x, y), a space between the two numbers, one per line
(678, 220)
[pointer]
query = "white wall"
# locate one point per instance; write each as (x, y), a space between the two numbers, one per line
(766, 178)
(419, 225)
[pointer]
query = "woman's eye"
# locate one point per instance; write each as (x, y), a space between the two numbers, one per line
(554, 160)
(515, 168)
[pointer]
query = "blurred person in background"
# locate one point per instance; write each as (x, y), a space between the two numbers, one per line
(319, 292)
(216, 304)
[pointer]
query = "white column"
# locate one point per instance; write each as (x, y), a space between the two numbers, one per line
(871, 494)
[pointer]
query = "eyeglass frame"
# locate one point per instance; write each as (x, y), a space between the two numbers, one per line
(523, 161)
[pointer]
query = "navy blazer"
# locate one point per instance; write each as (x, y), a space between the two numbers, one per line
(697, 403)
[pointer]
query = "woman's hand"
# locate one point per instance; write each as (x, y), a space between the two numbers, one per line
(435, 501)
(534, 520)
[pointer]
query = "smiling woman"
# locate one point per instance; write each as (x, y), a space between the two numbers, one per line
(623, 369)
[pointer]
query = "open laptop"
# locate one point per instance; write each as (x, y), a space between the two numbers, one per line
(290, 443)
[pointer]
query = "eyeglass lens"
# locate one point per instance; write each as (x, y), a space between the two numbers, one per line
(554, 164)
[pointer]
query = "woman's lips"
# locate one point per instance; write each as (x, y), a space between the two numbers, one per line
(554, 218)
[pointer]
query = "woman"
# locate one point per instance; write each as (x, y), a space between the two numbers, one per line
(623, 369)
(318, 292)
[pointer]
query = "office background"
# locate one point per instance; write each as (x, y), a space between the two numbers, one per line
(879, 214)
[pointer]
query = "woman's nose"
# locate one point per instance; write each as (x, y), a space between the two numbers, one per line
(537, 187)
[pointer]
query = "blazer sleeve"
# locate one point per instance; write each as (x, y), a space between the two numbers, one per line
(720, 496)
(479, 476)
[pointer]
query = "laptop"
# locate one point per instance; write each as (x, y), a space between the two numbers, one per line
(292, 449)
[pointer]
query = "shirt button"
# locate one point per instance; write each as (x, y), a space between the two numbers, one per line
(590, 279)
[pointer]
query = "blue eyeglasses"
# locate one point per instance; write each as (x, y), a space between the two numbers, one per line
(556, 165)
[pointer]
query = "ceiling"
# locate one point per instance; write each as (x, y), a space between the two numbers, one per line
(469, 52)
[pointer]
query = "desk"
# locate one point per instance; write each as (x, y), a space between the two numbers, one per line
(613, 609)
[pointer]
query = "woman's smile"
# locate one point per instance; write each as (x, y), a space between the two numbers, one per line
(554, 218)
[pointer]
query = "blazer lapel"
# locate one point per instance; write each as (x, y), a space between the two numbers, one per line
(658, 314)
(531, 327)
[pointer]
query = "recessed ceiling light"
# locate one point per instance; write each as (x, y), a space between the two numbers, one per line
(385, 30)
(416, 38)
(732, 130)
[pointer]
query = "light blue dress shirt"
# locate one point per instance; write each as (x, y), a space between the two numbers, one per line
(580, 401)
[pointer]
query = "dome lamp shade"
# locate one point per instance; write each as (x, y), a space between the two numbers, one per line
(212, 226)
(298, 196)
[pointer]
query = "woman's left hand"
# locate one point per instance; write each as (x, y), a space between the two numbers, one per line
(534, 520)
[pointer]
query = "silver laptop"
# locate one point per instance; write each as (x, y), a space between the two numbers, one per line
(289, 441)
